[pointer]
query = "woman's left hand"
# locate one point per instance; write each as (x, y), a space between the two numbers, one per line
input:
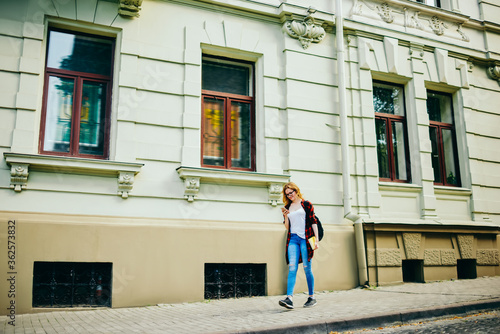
(316, 246)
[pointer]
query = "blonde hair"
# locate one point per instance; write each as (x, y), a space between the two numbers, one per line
(294, 187)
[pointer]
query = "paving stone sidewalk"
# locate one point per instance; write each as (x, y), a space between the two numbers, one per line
(335, 310)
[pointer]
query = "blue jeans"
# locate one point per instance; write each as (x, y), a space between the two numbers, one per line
(296, 247)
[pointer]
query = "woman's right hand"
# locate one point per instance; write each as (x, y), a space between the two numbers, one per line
(285, 211)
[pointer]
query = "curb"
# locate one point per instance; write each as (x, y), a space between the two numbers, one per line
(325, 327)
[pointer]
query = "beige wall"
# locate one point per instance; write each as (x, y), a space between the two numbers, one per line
(158, 261)
(156, 239)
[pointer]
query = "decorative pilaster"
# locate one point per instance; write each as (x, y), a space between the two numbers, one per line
(125, 183)
(130, 8)
(192, 187)
(19, 176)
(274, 193)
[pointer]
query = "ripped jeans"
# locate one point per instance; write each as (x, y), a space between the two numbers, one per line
(296, 247)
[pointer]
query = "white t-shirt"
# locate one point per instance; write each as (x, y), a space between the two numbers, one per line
(297, 221)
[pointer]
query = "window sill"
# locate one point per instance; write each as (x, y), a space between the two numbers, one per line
(408, 187)
(193, 176)
(457, 191)
(21, 164)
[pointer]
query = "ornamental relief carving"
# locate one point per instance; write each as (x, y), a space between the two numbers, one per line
(306, 31)
(408, 18)
(130, 8)
(494, 72)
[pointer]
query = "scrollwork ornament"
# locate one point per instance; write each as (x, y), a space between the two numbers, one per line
(437, 25)
(494, 72)
(464, 36)
(385, 13)
(306, 31)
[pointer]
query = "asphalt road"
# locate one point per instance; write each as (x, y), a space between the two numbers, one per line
(479, 323)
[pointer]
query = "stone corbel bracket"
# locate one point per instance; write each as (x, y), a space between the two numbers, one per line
(191, 188)
(494, 72)
(125, 183)
(275, 193)
(18, 176)
(130, 8)
(21, 164)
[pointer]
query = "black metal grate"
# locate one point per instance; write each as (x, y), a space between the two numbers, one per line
(71, 284)
(467, 269)
(224, 280)
(413, 271)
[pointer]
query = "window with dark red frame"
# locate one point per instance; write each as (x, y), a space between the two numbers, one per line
(435, 3)
(228, 118)
(390, 124)
(77, 95)
(443, 139)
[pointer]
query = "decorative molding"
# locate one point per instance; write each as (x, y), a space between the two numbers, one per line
(18, 176)
(410, 14)
(494, 72)
(194, 176)
(306, 31)
(385, 12)
(130, 8)
(437, 25)
(21, 164)
(459, 30)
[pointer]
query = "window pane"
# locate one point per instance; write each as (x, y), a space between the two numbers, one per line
(227, 78)
(398, 143)
(59, 114)
(241, 150)
(79, 53)
(388, 99)
(92, 114)
(382, 149)
(436, 161)
(449, 157)
(439, 107)
(213, 132)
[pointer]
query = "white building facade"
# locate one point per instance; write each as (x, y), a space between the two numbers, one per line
(145, 144)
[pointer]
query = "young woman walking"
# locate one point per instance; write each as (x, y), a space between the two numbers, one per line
(301, 224)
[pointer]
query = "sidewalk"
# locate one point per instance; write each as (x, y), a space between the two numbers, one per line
(335, 311)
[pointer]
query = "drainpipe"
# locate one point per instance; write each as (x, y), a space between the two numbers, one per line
(344, 144)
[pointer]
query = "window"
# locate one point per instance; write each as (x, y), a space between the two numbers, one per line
(443, 140)
(71, 284)
(390, 124)
(230, 280)
(228, 139)
(77, 95)
(435, 3)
